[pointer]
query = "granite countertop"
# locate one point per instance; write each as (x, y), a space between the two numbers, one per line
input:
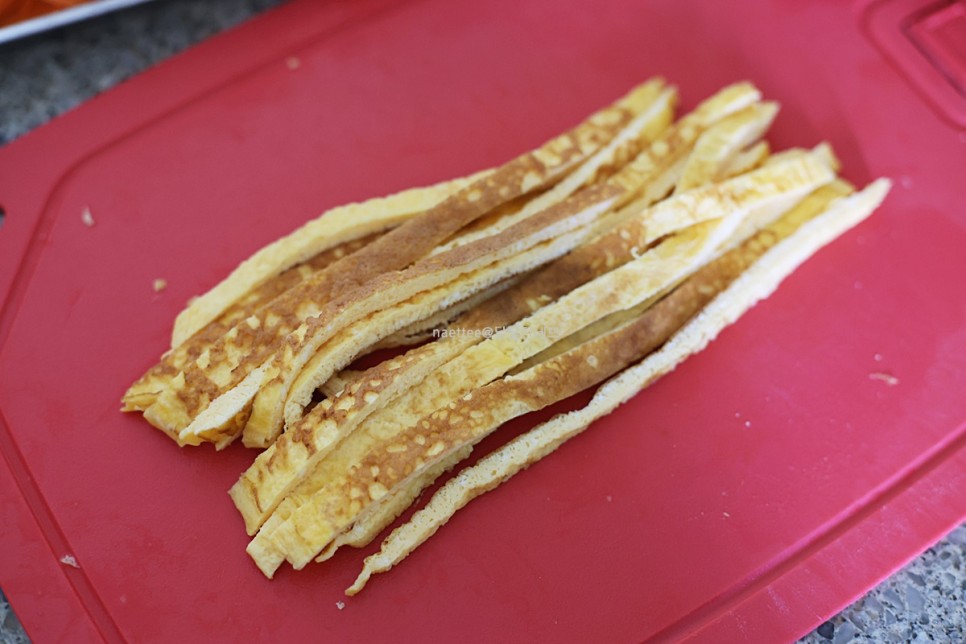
(49, 74)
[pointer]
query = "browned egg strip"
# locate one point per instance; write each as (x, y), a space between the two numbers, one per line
(143, 393)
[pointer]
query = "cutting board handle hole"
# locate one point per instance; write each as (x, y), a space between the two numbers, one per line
(3, 215)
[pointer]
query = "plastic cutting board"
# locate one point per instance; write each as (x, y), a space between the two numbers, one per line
(761, 487)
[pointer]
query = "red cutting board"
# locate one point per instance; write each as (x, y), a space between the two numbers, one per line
(749, 495)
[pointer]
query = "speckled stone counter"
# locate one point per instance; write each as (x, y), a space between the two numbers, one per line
(49, 74)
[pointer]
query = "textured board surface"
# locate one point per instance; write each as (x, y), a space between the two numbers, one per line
(750, 494)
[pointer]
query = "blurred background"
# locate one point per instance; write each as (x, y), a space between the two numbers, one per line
(46, 71)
